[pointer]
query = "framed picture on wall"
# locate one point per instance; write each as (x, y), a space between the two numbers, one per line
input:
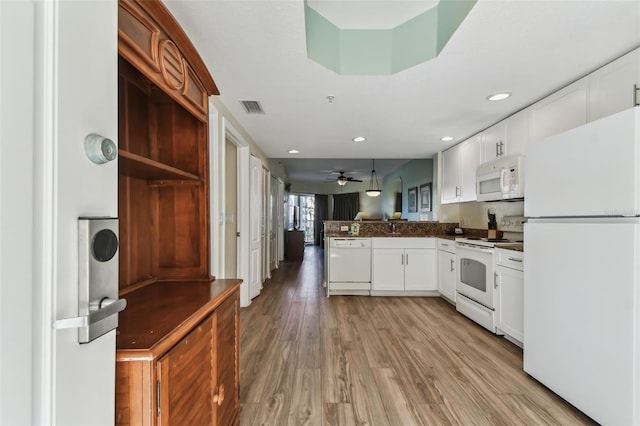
(412, 199)
(425, 197)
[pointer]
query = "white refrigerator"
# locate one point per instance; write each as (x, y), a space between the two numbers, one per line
(582, 268)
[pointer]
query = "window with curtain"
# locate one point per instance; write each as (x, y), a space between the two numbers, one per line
(346, 206)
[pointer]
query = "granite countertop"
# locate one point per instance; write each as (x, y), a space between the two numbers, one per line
(390, 235)
(512, 246)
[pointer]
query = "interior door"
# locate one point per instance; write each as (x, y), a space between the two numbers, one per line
(273, 242)
(255, 212)
(266, 222)
(77, 94)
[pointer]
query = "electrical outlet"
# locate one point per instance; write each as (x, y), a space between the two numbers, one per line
(344, 228)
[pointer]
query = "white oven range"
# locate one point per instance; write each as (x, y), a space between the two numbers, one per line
(476, 281)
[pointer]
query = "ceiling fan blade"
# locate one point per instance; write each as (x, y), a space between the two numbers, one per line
(350, 179)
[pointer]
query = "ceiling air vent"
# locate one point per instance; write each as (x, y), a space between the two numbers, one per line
(252, 107)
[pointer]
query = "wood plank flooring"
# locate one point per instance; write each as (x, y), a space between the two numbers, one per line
(306, 359)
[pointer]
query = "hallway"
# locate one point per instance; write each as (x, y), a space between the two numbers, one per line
(347, 360)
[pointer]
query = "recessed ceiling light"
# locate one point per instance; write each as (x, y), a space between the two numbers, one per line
(447, 138)
(294, 151)
(359, 139)
(498, 96)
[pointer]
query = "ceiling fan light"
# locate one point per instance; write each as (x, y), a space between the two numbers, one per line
(342, 181)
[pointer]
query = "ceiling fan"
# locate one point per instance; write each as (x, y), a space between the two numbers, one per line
(342, 179)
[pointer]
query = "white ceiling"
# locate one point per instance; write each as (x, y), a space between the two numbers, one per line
(256, 50)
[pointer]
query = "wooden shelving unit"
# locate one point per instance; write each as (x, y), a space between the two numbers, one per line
(137, 166)
(178, 341)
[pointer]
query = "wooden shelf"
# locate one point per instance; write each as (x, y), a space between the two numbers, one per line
(137, 166)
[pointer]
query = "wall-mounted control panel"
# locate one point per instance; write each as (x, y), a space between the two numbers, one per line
(98, 302)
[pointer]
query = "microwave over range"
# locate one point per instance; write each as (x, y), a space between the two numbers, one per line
(501, 179)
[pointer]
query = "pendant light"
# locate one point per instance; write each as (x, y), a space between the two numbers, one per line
(371, 192)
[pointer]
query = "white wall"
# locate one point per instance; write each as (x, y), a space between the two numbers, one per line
(16, 207)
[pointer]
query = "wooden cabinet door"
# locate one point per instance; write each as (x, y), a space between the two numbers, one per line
(226, 389)
(388, 270)
(185, 380)
(451, 174)
(420, 270)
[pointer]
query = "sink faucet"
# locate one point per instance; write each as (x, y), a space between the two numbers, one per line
(393, 227)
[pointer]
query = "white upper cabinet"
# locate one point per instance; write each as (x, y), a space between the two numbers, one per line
(494, 142)
(517, 132)
(561, 111)
(611, 88)
(459, 164)
(451, 174)
(508, 137)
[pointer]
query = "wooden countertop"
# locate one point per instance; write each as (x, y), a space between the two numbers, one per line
(160, 314)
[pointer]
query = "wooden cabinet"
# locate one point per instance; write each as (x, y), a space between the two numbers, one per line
(404, 266)
(163, 187)
(447, 269)
(151, 40)
(612, 87)
(177, 358)
(177, 342)
(561, 111)
(294, 244)
(509, 277)
(459, 164)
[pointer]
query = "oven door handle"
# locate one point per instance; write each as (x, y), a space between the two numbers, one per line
(478, 249)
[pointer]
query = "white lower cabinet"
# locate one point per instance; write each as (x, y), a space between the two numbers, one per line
(447, 269)
(404, 267)
(509, 280)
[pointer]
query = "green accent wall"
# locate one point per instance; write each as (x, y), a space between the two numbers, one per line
(413, 174)
(383, 51)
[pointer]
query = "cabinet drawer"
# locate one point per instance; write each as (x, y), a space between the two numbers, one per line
(447, 245)
(510, 259)
(402, 243)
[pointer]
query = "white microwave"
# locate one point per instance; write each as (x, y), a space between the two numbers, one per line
(501, 179)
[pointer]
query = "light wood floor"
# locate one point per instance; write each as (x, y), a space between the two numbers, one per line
(310, 360)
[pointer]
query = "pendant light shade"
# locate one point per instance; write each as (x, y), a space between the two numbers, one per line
(373, 191)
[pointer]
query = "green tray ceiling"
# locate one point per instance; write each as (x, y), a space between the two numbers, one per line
(384, 51)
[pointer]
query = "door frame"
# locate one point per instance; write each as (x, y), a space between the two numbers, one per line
(242, 272)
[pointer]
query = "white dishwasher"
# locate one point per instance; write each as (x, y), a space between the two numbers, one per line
(349, 266)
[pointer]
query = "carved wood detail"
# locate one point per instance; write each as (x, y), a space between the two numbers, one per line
(171, 65)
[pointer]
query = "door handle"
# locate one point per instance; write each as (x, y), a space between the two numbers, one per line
(97, 311)
(495, 280)
(452, 262)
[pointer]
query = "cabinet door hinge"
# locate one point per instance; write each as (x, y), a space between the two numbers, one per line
(636, 89)
(158, 398)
